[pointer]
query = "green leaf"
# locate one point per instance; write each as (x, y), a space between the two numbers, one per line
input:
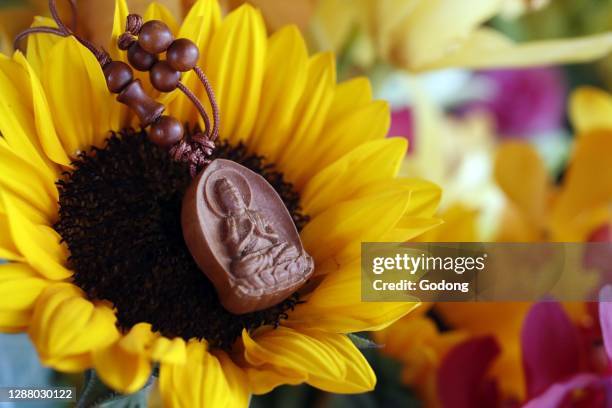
(97, 394)
(363, 342)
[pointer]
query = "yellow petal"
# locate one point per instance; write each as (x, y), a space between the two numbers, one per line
(486, 48)
(167, 350)
(424, 195)
(590, 109)
(339, 137)
(410, 227)
(365, 164)
(387, 17)
(333, 23)
(207, 11)
(587, 187)
(18, 125)
(263, 379)
(8, 250)
(336, 306)
(119, 20)
(20, 286)
(14, 321)
(81, 105)
(418, 44)
(39, 244)
(138, 339)
(459, 226)
(336, 234)
(121, 370)
(199, 26)
(40, 45)
(49, 140)
(200, 382)
(287, 348)
(310, 113)
(239, 42)
(66, 327)
(359, 375)
(236, 380)
(330, 361)
(29, 184)
(516, 226)
(157, 11)
(286, 62)
(520, 172)
(350, 95)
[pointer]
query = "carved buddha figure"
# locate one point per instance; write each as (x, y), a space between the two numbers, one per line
(258, 254)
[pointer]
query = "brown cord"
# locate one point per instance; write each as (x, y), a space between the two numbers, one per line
(125, 40)
(35, 30)
(194, 99)
(58, 20)
(213, 102)
(64, 31)
(133, 24)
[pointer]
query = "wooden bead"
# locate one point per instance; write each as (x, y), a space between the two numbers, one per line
(139, 58)
(118, 75)
(155, 37)
(183, 55)
(147, 108)
(163, 77)
(166, 132)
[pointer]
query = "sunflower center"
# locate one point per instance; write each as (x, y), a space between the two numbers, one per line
(120, 217)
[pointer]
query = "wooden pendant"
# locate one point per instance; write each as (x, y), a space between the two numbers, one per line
(242, 237)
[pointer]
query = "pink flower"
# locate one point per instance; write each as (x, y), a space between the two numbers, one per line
(570, 384)
(564, 364)
(402, 124)
(462, 380)
(525, 101)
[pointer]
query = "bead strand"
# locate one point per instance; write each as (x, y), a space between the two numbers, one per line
(144, 42)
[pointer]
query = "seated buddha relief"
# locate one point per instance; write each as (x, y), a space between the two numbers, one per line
(260, 257)
(242, 237)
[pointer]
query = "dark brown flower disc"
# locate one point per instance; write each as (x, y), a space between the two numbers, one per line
(163, 77)
(166, 132)
(155, 37)
(242, 237)
(140, 59)
(183, 55)
(118, 75)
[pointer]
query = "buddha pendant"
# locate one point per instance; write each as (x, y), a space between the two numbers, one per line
(241, 235)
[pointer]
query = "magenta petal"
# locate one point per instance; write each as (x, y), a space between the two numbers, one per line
(461, 376)
(525, 101)
(556, 394)
(402, 124)
(551, 351)
(605, 317)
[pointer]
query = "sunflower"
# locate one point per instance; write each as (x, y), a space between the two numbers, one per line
(99, 275)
